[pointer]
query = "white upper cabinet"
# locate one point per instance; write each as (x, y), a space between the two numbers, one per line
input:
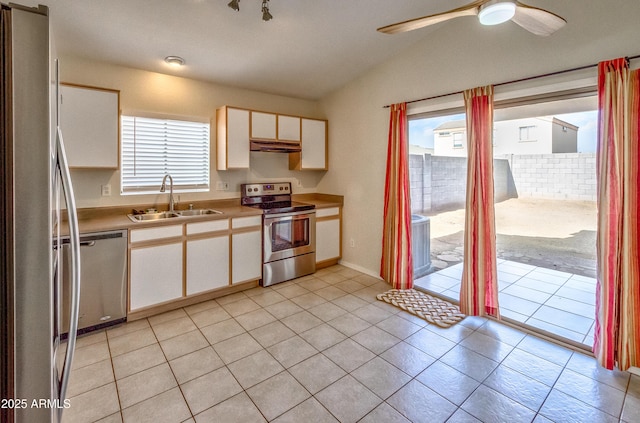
(288, 128)
(232, 138)
(237, 127)
(263, 126)
(314, 147)
(89, 119)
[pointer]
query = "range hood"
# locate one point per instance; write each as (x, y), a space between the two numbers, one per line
(275, 146)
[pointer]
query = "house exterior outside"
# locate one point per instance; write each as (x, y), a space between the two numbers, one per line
(537, 135)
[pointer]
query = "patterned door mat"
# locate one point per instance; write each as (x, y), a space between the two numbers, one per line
(432, 309)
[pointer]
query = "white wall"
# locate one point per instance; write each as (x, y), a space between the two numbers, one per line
(162, 95)
(460, 54)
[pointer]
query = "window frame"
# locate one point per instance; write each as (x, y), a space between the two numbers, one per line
(530, 133)
(183, 150)
(461, 140)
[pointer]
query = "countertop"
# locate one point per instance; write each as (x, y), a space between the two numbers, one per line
(115, 218)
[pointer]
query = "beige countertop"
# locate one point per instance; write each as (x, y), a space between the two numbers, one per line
(115, 218)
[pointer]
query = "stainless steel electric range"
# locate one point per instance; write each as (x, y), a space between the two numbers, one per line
(289, 231)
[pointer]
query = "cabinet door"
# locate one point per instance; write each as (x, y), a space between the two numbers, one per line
(288, 128)
(327, 239)
(263, 126)
(246, 259)
(207, 264)
(314, 144)
(232, 138)
(156, 275)
(89, 119)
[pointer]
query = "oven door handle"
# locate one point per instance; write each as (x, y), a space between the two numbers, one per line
(297, 215)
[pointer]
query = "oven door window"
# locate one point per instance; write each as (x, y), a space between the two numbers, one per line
(289, 234)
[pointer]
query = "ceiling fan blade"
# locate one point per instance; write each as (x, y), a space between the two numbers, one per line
(537, 21)
(470, 9)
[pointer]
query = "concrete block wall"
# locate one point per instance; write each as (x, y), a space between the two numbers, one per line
(416, 181)
(563, 176)
(439, 182)
(448, 182)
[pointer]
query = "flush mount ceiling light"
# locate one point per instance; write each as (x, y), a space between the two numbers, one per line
(176, 61)
(266, 14)
(496, 12)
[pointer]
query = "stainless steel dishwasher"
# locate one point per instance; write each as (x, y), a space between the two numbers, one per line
(103, 290)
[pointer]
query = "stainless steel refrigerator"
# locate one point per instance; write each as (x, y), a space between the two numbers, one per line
(35, 186)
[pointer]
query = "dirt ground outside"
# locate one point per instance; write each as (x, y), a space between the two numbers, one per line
(555, 234)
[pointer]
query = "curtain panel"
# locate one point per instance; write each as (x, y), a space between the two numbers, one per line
(479, 288)
(397, 264)
(617, 330)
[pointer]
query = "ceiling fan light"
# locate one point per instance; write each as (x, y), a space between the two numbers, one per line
(496, 13)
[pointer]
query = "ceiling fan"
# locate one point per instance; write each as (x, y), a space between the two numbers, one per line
(490, 12)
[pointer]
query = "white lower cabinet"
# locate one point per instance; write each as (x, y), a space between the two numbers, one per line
(155, 275)
(177, 261)
(207, 264)
(246, 259)
(328, 237)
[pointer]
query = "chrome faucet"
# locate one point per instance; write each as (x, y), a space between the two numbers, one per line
(163, 189)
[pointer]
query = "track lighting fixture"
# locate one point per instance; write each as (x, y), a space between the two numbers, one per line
(234, 4)
(266, 14)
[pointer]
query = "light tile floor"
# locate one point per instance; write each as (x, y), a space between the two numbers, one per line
(322, 349)
(560, 303)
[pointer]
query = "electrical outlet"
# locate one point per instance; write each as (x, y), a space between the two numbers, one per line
(299, 183)
(106, 190)
(352, 243)
(222, 186)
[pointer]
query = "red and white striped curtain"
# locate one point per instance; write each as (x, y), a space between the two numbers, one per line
(396, 266)
(479, 288)
(617, 330)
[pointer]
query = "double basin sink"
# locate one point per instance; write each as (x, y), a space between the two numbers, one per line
(169, 215)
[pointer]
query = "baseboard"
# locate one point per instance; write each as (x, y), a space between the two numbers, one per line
(360, 269)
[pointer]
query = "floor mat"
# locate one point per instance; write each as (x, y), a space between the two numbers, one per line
(432, 309)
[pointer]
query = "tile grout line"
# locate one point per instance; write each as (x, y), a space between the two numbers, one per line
(475, 329)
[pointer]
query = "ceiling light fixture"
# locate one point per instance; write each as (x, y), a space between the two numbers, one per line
(266, 16)
(234, 4)
(496, 12)
(176, 61)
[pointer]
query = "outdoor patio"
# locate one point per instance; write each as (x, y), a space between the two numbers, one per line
(560, 303)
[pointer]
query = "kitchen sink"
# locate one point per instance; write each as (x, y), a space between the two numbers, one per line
(152, 216)
(198, 212)
(168, 215)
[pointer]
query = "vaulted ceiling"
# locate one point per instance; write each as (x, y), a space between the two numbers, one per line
(309, 49)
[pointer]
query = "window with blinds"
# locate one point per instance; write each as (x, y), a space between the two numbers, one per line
(152, 148)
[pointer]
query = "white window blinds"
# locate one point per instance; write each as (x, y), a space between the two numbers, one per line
(152, 148)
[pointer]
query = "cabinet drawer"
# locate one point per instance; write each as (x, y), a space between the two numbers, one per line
(245, 222)
(210, 226)
(331, 211)
(148, 234)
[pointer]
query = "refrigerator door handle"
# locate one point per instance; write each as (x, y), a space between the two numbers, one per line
(74, 236)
